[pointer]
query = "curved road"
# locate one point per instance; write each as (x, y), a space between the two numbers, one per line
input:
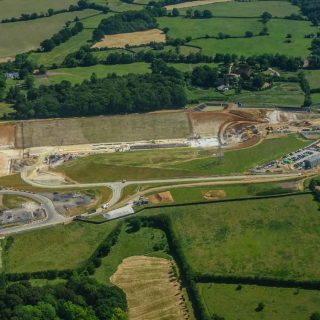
(52, 216)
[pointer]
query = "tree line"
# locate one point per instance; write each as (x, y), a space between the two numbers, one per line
(84, 57)
(129, 21)
(310, 8)
(60, 37)
(110, 95)
(80, 298)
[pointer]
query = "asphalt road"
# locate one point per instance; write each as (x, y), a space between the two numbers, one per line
(53, 217)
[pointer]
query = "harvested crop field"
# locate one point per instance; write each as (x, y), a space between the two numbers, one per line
(151, 288)
(193, 4)
(134, 127)
(131, 39)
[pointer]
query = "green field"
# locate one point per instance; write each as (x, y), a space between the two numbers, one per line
(11, 201)
(280, 303)
(83, 38)
(281, 94)
(188, 67)
(118, 5)
(185, 162)
(313, 76)
(5, 108)
(248, 9)
(77, 75)
(14, 8)
(274, 43)
(315, 98)
(60, 247)
(191, 194)
(23, 36)
(181, 27)
(142, 242)
(277, 238)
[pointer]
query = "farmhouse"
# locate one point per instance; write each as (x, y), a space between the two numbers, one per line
(223, 88)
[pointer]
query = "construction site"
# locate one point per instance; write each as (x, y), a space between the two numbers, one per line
(54, 142)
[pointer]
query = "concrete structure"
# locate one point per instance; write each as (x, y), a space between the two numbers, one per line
(312, 161)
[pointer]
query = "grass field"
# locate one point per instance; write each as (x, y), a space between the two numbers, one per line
(118, 5)
(315, 98)
(142, 242)
(77, 75)
(181, 27)
(188, 67)
(83, 38)
(23, 36)
(150, 278)
(274, 43)
(280, 303)
(248, 9)
(11, 201)
(5, 108)
(276, 238)
(175, 162)
(190, 194)
(313, 76)
(14, 8)
(60, 247)
(283, 94)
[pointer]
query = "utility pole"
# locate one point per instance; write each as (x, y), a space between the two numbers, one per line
(219, 155)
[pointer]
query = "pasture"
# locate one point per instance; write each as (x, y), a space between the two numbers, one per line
(313, 76)
(59, 247)
(58, 54)
(180, 27)
(274, 43)
(248, 9)
(230, 302)
(142, 242)
(14, 8)
(77, 75)
(131, 39)
(275, 238)
(184, 162)
(5, 108)
(118, 5)
(315, 98)
(199, 193)
(282, 94)
(24, 36)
